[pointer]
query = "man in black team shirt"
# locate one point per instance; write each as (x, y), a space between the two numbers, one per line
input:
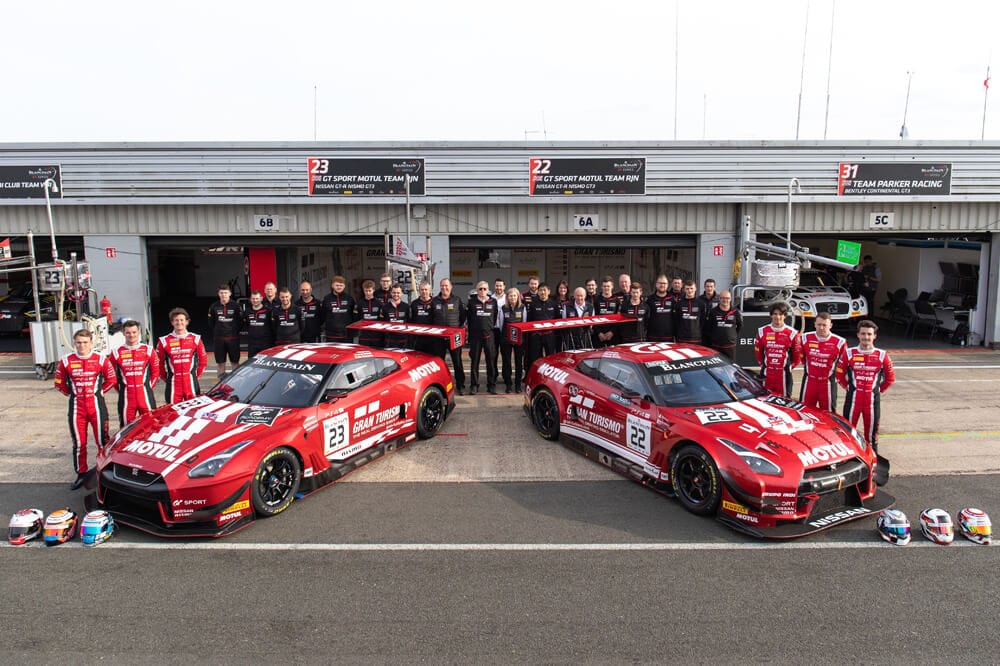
(310, 307)
(271, 296)
(257, 324)
(338, 311)
(286, 319)
(482, 312)
(605, 303)
(449, 310)
(689, 316)
(422, 313)
(369, 308)
(660, 325)
(722, 327)
(634, 308)
(543, 307)
(396, 311)
(383, 292)
(224, 319)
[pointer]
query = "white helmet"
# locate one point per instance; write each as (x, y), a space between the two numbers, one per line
(975, 525)
(937, 526)
(894, 527)
(26, 525)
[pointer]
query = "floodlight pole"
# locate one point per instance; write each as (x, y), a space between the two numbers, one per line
(46, 186)
(793, 183)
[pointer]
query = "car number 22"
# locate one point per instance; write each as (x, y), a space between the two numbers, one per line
(637, 434)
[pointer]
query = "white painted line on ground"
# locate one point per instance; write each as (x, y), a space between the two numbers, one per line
(501, 547)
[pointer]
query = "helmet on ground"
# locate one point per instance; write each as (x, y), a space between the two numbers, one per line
(937, 526)
(97, 527)
(975, 525)
(894, 527)
(60, 527)
(25, 525)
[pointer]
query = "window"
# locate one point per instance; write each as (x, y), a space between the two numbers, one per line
(621, 375)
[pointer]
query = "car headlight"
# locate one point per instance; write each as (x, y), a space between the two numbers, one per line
(858, 439)
(754, 460)
(214, 465)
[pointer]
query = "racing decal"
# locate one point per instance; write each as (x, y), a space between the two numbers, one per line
(200, 401)
(825, 453)
(638, 436)
(585, 433)
(735, 507)
(769, 417)
(226, 517)
(370, 408)
(425, 370)
(239, 430)
(708, 415)
(620, 399)
(220, 410)
(336, 433)
(601, 422)
(839, 516)
(152, 450)
(237, 506)
(259, 415)
(295, 353)
(555, 374)
(582, 401)
(573, 390)
(364, 353)
(178, 431)
(782, 401)
(688, 364)
(285, 364)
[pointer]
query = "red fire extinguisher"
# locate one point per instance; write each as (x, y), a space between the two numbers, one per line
(106, 308)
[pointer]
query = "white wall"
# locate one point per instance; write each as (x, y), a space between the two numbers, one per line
(120, 278)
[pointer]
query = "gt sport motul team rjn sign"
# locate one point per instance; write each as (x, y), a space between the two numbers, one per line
(365, 176)
(586, 176)
(26, 182)
(893, 179)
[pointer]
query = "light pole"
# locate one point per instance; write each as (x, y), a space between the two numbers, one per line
(793, 183)
(48, 185)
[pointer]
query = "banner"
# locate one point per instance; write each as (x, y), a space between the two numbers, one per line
(5, 249)
(25, 182)
(364, 176)
(586, 176)
(893, 179)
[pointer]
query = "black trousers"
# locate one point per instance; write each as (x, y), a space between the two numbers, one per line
(457, 371)
(477, 347)
(508, 349)
(541, 344)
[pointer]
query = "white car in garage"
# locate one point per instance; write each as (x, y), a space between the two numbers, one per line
(818, 292)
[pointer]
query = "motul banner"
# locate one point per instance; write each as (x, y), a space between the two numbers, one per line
(364, 176)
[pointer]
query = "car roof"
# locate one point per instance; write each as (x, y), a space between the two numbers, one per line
(330, 352)
(643, 352)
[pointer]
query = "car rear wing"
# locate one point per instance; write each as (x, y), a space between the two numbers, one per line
(515, 332)
(453, 334)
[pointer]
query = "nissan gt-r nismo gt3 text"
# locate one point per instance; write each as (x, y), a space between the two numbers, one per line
(290, 420)
(683, 419)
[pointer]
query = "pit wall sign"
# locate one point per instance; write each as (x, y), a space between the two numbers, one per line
(586, 176)
(25, 182)
(364, 177)
(893, 179)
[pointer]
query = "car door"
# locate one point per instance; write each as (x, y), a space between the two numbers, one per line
(624, 412)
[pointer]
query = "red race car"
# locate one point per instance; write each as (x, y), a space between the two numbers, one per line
(289, 421)
(684, 420)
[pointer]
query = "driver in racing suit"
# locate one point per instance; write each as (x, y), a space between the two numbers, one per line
(820, 352)
(778, 350)
(182, 358)
(85, 376)
(137, 368)
(866, 372)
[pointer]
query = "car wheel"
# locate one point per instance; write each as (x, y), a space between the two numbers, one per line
(275, 482)
(696, 480)
(430, 413)
(545, 414)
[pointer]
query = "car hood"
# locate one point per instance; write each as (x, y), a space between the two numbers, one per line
(780, 429)
(188, 433)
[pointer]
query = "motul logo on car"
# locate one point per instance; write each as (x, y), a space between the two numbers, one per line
(570, 323)
(558, 375)
(425, 370)
(404, 328)
(158, 451)
(824, 453)
(839, 516)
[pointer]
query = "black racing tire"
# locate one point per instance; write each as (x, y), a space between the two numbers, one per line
(696, 480)
(431, 412)
(275, 482)
(545, 414)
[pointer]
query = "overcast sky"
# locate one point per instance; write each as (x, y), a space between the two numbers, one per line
(494, 71)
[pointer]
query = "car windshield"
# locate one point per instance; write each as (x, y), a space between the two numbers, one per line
(704, 381)
(268, 384)
(816, 280)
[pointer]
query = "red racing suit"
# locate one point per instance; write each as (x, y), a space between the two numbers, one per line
(137, 369)
(866, 375)
(778, 351)
(819, 386)
(182, 360)
(85, 379)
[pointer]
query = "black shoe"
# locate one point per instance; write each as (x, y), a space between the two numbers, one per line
(517, 387)
(78, 481)
(508, 389)
(461, 391)
(90, 479)
(473, 389)
(492, 390)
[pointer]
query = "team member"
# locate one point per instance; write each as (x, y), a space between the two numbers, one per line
(722, 327)
(591, 287)
(85, 376)
(605, 303)
(578, 337)
(483, 313)
(224, 320)
(710, 297)
(512, 312)
(500, 296)
(638, 309)
(660, 326)
(338, 311)
(563, 296)
(257, 324)
(528, 296)
(689, 316)
(369, 308)
(396, 311)
(778, 350)
(871, 275)
(271, 296)
(137, 369)
(182, 358)
(310, 307)
(544, 307)
(677, 288)
(866, 372)
(449, 310)
(624, 289)
(286, 320)
(384, 291)
(820, 353)
(422, 313)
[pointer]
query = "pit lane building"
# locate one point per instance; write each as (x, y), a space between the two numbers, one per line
(163, 224)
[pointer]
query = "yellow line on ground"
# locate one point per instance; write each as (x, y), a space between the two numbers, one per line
(990, 433)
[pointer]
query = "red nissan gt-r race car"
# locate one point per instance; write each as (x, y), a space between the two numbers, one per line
(684, 420)
(285, 423)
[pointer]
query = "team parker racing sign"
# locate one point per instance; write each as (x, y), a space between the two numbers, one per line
(893, 179)
(586, 176)
(365, 176)
(28, 182)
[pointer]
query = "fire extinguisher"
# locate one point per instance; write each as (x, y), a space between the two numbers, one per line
(106, 308)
